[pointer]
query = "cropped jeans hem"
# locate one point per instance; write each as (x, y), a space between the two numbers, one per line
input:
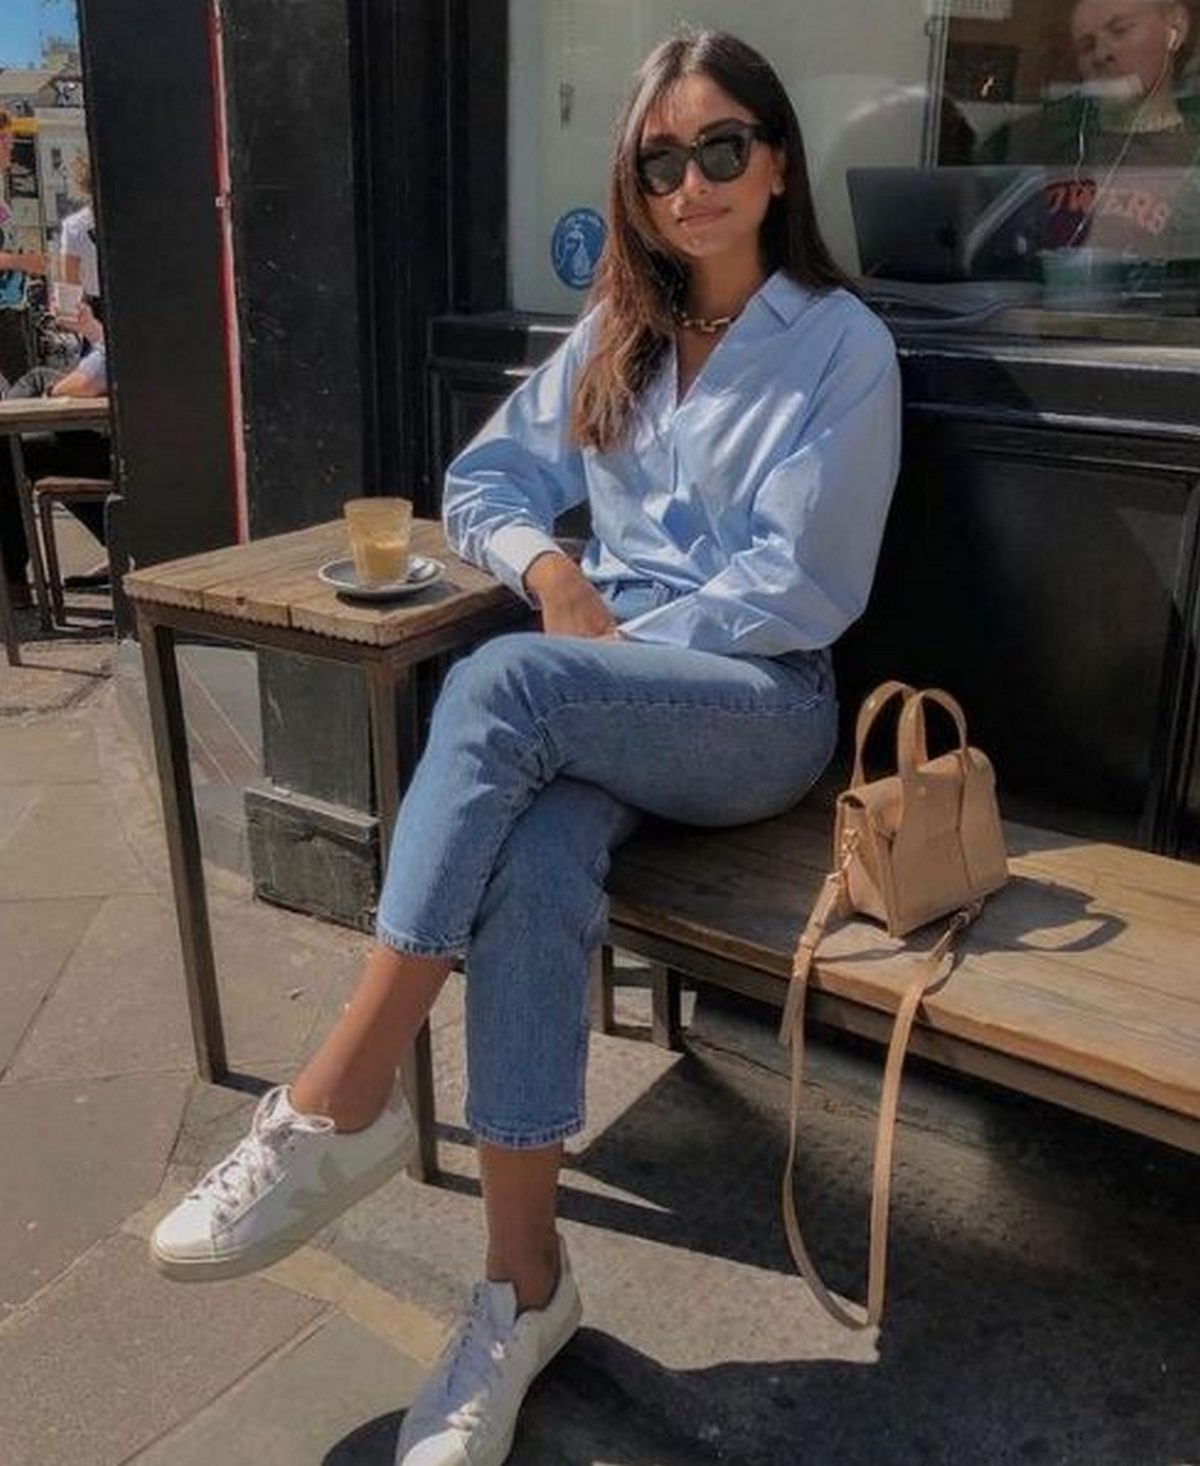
(410, 946)
(510, 1139)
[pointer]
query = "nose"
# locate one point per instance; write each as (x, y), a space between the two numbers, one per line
(693, 180)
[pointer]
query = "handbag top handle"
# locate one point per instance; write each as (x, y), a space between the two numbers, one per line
(910, 739)
(870, 710)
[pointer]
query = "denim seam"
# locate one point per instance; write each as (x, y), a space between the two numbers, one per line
(405, 942)
(525, 1139)
(419, 946)
(755, 711)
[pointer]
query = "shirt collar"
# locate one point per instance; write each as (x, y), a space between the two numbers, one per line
(784, 297)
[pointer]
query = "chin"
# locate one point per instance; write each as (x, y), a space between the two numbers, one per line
(714, 246)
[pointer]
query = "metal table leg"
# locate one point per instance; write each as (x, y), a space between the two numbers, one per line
(183, 845)
(25, 500)
(394, 745)
(8, 623)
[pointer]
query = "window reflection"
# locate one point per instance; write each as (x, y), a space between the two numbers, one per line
(969, 158)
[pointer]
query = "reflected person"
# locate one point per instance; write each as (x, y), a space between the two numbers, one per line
(1123, 147)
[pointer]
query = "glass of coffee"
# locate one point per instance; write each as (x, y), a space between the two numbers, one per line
(380, 533)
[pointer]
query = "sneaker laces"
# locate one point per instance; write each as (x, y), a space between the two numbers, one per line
(472, 1361)
(255, 1162)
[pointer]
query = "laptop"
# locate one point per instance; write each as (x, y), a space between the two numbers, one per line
(992, 223)
(924, 224)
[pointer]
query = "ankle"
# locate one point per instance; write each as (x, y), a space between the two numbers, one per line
(534, 1275)
(349, 1112)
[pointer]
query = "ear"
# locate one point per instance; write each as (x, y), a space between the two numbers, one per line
(779, 161)
(1179, 23)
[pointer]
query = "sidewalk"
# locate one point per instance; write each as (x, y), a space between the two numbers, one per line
(1045, 1297)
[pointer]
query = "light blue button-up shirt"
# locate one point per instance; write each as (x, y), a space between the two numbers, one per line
(758, 500)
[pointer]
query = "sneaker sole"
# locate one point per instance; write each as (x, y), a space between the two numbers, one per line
(254, 1258)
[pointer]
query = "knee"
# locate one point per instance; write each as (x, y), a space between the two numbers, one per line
(556, 857)
(497, 673)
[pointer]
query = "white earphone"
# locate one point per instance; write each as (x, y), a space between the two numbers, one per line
(1173, 38)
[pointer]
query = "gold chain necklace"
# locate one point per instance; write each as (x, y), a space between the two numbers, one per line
(708, 326)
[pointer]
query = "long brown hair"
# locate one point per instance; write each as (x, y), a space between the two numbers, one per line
(638, 279)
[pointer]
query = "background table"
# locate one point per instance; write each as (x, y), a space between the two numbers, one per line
(267, 594)
(38, 415)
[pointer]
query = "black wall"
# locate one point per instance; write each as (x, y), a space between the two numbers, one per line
(150, 121)
(291, 155)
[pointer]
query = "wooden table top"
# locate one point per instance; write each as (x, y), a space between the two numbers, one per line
(52, 414)
(273, 582)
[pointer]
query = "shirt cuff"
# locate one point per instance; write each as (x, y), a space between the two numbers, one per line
(513, 549)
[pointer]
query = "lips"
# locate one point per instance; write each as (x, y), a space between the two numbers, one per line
(701, 216)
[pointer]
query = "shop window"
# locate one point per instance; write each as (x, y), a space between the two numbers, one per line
(1027, 165)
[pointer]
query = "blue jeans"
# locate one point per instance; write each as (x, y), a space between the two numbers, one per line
(542, 751)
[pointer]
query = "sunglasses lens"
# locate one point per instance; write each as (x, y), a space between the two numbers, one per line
(725, 156)
(662, 170)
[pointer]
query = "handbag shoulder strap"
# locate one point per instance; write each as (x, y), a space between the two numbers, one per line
(927, 971)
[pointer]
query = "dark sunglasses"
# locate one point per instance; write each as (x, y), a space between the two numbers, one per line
(721, 153)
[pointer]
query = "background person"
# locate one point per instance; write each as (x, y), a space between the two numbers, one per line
(730, 414)
(16, 334)
(78, 454)
(78, 258)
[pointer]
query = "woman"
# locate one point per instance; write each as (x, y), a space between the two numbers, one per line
(730, 414)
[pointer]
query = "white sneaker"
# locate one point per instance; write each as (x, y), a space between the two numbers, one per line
(466, 1412)
(290, 1176)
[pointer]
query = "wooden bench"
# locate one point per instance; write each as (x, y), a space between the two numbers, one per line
(1080, 984)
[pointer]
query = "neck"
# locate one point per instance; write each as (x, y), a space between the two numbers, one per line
(1155, 112)
(721, 287)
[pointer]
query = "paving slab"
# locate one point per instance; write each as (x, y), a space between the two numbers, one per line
(277, 969)
(113, 1356)
(47, 753)
(36, 939)
(70, 843)
(55, 673)
(16, 800)
(301, 1405)
(76, 1158)
(119, 1006)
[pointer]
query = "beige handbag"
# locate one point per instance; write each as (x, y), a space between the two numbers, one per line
(920, 845)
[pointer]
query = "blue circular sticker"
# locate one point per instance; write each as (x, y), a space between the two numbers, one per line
(575, 247)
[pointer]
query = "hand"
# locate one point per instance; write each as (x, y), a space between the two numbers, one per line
(569, 605)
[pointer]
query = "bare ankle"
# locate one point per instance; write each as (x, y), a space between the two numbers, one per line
(348, 1112)
(534, 1276)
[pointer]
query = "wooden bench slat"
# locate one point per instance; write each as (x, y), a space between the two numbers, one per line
(1086, 964)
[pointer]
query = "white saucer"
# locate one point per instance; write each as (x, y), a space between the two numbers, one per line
(423, 571)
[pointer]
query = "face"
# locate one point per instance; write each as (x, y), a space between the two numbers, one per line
(703, 219)
(1126, 42)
